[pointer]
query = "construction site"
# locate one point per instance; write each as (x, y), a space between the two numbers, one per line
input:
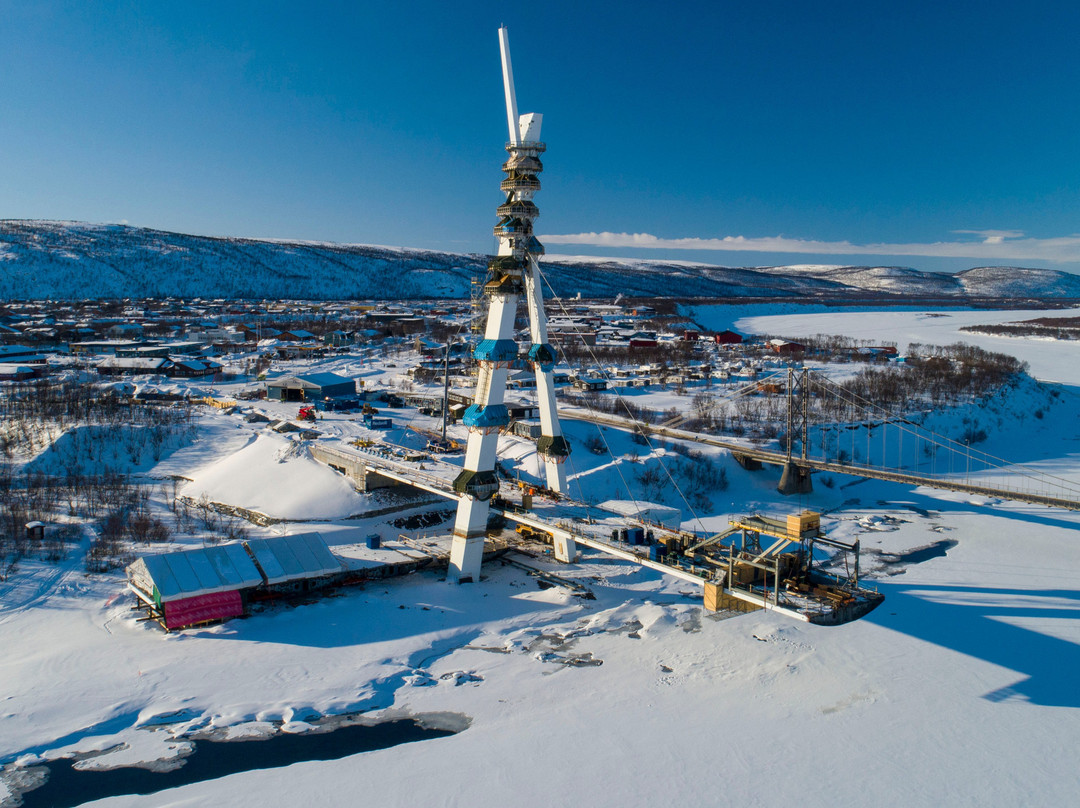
(532, 545)
(781, 562)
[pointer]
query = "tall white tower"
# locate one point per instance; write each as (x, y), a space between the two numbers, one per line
(512, 274)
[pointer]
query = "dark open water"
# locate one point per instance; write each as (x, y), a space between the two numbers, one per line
(68, 787)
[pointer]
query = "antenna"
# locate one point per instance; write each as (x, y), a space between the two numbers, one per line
(508, 85)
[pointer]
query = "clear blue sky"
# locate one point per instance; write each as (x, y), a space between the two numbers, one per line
(936, 135)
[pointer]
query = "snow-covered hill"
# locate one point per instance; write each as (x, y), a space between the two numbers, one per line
(40, 259)
(1009, 282)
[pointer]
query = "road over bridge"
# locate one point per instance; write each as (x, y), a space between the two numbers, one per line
(748, 454)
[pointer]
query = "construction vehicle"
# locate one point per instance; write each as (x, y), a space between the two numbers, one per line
(527, 532)
(306, 413)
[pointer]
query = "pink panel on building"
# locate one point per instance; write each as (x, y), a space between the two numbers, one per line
(189, 611)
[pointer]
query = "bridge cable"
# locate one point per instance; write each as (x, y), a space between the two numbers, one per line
(954, 448)
(642, 429)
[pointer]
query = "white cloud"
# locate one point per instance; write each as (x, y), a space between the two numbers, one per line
(993, 236)
(995, 245)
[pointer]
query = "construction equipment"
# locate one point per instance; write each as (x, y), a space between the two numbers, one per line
(306, 413)
(769, 575)
(436, 443)
(529, 532)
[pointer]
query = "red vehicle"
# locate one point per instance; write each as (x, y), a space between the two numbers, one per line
(306, 413)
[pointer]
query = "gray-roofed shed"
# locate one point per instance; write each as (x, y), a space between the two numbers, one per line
(291, 558)
(189, 573)
(310, 387)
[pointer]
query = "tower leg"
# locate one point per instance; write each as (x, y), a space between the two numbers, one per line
(470, 525)
(556, 475)
(554, 468)
(467, 553)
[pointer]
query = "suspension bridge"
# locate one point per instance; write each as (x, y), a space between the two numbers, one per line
(869, 442)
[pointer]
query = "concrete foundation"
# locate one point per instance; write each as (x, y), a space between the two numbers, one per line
(795, 480)
(748, 463)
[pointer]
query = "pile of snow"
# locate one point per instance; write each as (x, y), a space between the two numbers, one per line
(278, 477)
(647, 511)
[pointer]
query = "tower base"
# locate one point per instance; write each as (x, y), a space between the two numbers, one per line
(466, 555)
(795, 480)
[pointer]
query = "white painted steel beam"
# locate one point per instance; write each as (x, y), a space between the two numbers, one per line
(508, 86)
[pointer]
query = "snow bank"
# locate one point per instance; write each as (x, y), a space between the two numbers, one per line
(651, 511)
(278, 477)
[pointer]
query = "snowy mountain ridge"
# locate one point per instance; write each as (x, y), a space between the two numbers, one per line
(66, 260)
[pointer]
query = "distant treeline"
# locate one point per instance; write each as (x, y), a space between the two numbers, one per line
(1049, 327)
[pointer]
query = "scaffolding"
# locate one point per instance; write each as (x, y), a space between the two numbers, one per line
(754, 566)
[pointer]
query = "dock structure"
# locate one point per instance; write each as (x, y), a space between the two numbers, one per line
(513, 275)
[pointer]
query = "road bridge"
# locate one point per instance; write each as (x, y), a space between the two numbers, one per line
(745, 451)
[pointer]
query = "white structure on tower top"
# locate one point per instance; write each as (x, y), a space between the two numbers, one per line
(508, 86)
(529, 126)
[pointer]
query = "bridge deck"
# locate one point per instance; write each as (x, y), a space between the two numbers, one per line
(872, 472)
(566, 518)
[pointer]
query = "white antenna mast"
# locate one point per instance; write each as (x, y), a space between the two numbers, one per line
(508, 86)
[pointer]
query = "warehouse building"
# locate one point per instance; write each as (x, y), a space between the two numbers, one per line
(313, 387)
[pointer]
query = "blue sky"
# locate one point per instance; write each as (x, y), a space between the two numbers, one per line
(940, 136)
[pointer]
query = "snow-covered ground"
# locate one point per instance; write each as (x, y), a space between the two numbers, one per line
(1050, 360)
(961, 689)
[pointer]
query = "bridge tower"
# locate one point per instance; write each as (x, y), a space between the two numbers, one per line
(513, 274)
(795, 478)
